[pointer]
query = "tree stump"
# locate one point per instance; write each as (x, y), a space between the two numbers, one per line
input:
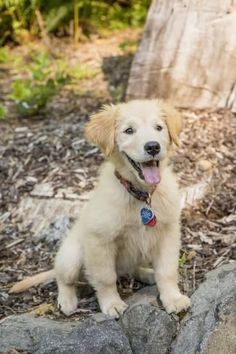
(187, 54)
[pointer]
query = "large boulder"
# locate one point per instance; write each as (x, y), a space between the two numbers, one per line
(145, 328)
(150, 330)
(209, 306)
(44, 336)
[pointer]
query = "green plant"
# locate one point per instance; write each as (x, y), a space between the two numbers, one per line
(79, 72)
(26, 18)
(128, 46)
(4, 55)
(182, 260)
(3, 111)
(43, 81)
(110, 15)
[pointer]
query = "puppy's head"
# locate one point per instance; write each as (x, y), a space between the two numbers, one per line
(139, 132)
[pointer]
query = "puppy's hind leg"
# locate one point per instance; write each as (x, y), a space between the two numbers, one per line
(145, 274)
(68, 263)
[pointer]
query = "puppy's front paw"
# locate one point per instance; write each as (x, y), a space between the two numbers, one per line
(114, 308)
(175, 303)
(67, 305)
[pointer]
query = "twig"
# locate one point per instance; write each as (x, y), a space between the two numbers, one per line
(40, 21)
(76, 21)
(16, 242)
(9, 308)
(83, 311)
(222, 257)
(209, 207)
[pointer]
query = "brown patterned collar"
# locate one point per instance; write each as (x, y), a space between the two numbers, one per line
(135, 192)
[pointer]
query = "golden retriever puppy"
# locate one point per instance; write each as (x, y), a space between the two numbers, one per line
(133, 217)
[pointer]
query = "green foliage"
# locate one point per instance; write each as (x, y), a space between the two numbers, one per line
(3, 111)
(19, 19)
(15, 19)
(43, 81)
(79, 72)
(182, 260)
(112, 15)
(128, 46)
(4, 55)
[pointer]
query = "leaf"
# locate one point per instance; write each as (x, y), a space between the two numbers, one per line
(20, 90)
(38, 73)
(2, 112)
(182, 260)
(4, 55)
(43, 309)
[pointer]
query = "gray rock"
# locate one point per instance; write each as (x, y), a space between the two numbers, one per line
(223, 338)
(149, 329)
(145, 328)
(215, 293)
(45, 336)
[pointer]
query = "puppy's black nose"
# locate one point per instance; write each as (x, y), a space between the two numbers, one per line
(152, 148)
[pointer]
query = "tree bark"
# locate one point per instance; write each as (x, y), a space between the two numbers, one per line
(187, 54)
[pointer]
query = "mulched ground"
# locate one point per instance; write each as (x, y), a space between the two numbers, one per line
(52, 148)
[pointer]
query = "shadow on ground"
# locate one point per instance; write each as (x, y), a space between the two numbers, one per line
(116, 71)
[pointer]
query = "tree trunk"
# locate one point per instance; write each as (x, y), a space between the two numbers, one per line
(188, 54)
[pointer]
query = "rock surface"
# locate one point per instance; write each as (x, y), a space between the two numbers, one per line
(145, 328)
(149, 329)
(44, 336)
(208, 303)
(223, 339)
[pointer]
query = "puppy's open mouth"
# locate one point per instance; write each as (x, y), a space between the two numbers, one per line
(148, 170)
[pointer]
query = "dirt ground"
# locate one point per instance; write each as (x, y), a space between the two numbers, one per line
(51, 149)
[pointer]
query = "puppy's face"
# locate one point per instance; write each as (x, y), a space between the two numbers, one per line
(140, 131)
(142, 137)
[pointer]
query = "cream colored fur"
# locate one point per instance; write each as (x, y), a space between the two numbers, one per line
(33, 281)
(109, 238)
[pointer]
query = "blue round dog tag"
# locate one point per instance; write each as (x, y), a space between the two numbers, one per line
(148, 217)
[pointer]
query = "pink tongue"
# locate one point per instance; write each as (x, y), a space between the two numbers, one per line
(151, 174)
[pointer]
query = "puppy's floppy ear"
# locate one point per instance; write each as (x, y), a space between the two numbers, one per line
(100, 130)
(173, 120)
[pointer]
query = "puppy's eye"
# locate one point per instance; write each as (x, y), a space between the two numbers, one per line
(159, 128)
(129, 131)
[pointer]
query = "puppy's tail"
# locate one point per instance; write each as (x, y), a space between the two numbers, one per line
(33, 281)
